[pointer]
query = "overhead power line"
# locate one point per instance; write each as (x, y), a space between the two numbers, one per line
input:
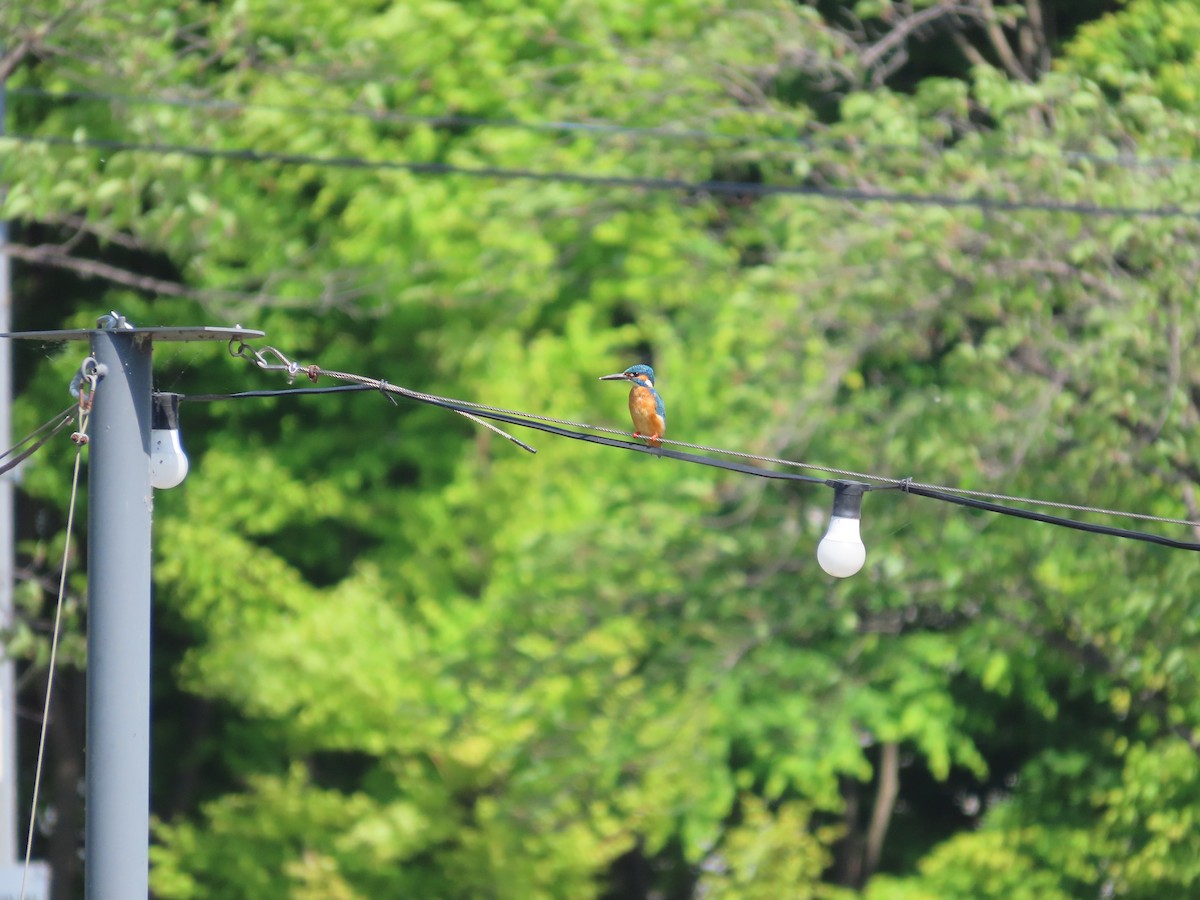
(904, 484)
(449, 120)
(587, 179)
(36, 439)
(557, 427)
(561, 126)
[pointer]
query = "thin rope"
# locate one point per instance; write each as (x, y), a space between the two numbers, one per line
(80, 438)
(904, 484)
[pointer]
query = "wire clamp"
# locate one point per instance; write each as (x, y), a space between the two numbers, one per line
(384, 389)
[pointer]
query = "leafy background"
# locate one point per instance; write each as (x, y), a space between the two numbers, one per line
(396, 657)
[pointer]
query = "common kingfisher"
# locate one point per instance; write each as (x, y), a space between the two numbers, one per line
(645, 405)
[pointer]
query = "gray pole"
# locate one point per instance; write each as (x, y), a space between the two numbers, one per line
(118, 641)
(116, 865)
(8, 695)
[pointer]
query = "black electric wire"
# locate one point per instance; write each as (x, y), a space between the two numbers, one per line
(1111, 531)
(728, 188)
(893, 485)
(51, 427)
(657, 132)
(1091, 527)
(629, 445)
(527, 423)
(449, 120)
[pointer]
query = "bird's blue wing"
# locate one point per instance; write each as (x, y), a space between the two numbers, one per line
(659, 406)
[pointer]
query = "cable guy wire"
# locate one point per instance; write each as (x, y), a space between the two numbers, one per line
(631, 182)
(91, 378)
(552, 426)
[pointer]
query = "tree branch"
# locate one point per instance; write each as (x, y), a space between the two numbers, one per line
(34, 39)
(1035, 42)
(885, 802)
(1000, 43)
(967, 49)
(104, 235)
(54, 255)
(874, 55)
(14, 57)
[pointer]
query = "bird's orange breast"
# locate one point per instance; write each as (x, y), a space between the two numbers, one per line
(643, 408)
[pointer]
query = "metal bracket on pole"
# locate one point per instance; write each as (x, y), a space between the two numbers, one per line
(120, 502)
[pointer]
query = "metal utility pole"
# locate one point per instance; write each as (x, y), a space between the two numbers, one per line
(118, 641)
(120, 502)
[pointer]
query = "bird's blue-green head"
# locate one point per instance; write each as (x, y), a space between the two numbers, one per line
(639, 374)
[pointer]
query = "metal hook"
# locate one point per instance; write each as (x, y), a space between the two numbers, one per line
(259, 358)
(89, 371)
(113, 321)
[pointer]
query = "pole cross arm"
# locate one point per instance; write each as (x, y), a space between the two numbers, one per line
(171, 334)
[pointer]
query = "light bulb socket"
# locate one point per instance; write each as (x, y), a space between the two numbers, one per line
(165, 414)
(847, 499)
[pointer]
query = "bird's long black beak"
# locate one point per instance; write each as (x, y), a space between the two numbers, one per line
(620, 376)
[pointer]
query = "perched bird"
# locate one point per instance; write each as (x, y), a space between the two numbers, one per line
(645, 405)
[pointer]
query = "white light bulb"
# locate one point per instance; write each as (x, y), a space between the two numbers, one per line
(168, 462)
(841, 552)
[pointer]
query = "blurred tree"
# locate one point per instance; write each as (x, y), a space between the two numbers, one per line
(399, 658)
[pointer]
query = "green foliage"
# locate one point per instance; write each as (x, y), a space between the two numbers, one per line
(982, 864)
(461, 671)
(772, 854)
(1150, 45)
(287, 838)
(1151, 819)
